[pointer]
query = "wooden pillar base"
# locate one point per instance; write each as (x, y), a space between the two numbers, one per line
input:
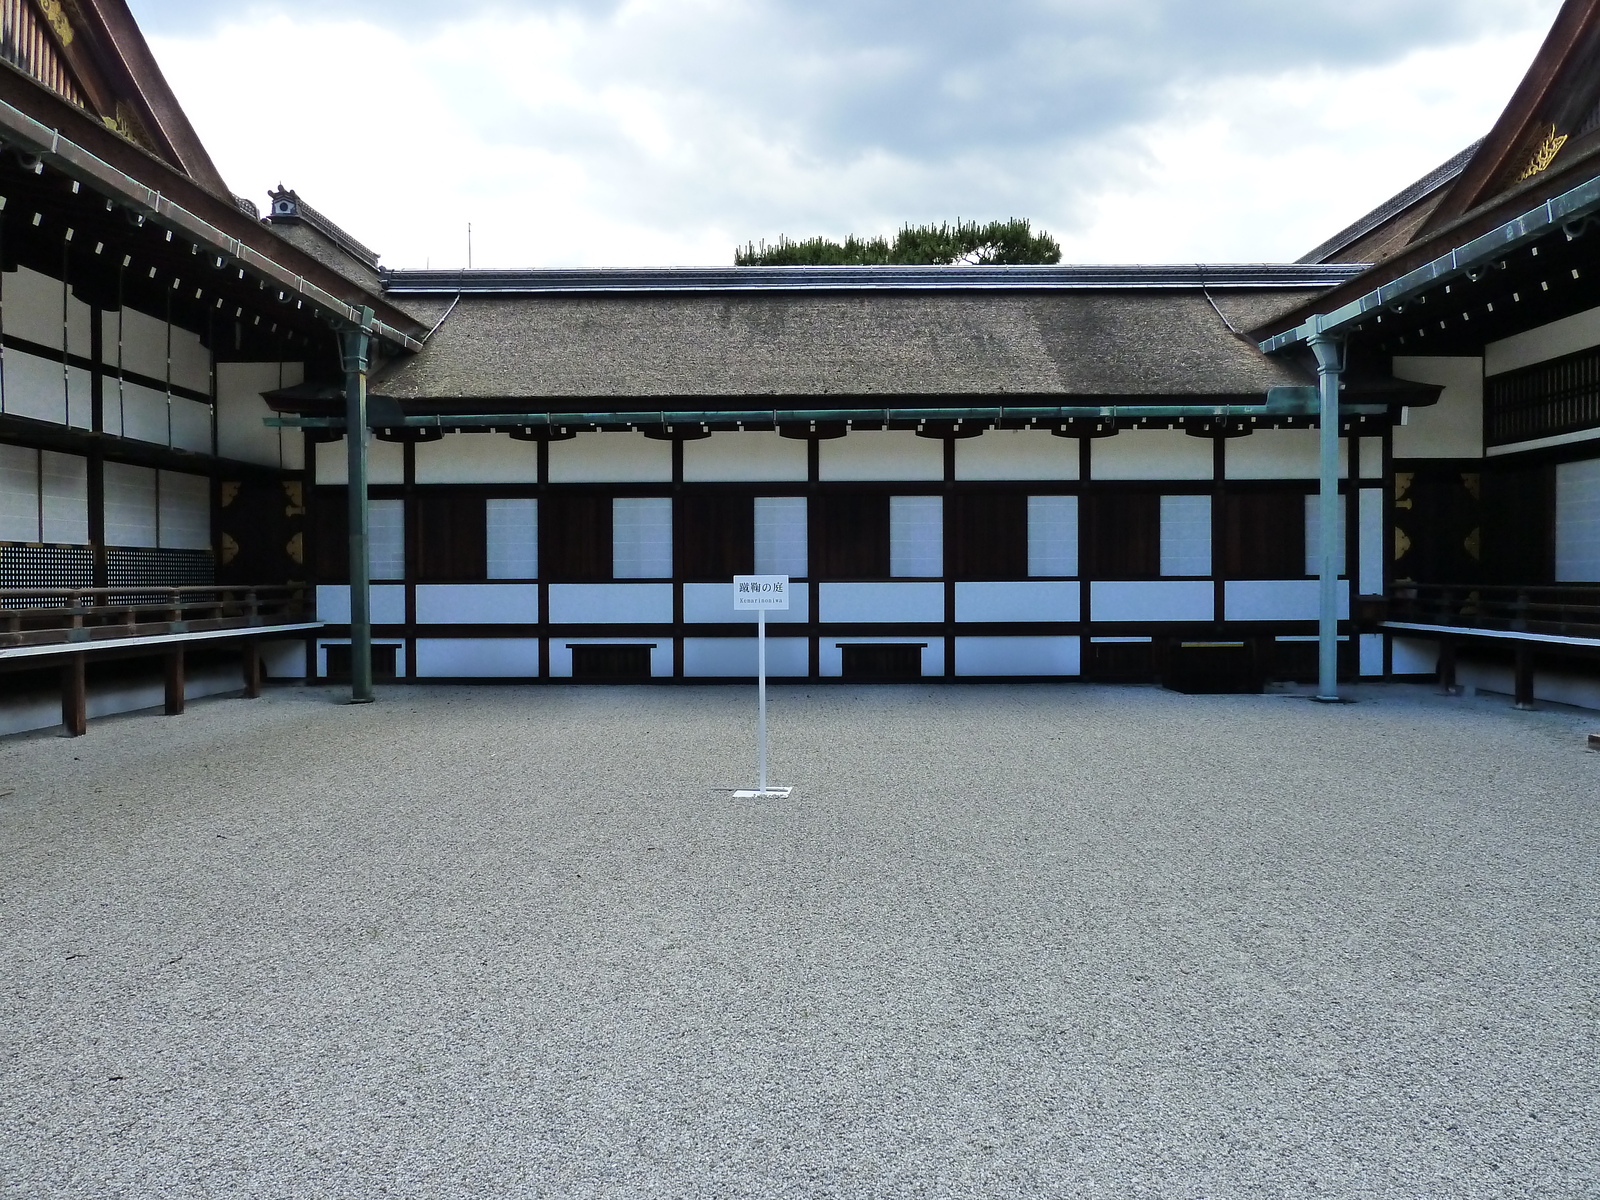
(1447, 669)
(74, 697)
(252, 669)
(1524, 671)
(176, 678)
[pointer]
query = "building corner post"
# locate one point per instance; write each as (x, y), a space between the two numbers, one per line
(1330, 369)
(356, 347)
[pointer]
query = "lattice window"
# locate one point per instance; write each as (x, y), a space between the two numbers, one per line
(1544, 400)
(25, 566)
(127, 566)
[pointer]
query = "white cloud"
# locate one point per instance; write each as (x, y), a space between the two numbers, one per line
(668, 131)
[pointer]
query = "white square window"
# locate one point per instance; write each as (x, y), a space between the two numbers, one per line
(1052, 536)
(916, 536)
(1186, 535)
(781, 536)
(513, 539)
(641, 538)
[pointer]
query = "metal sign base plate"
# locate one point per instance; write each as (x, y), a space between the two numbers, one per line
(771, 793)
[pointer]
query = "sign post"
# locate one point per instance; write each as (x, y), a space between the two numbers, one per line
(761, 592)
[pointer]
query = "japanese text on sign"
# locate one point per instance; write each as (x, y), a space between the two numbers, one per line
(761, 591)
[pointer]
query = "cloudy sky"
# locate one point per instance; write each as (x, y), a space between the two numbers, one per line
(665, 132)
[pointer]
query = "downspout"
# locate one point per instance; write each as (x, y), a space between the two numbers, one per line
(1329, 350)
(357, 354)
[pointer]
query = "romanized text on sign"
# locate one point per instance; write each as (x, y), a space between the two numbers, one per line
(761, 591)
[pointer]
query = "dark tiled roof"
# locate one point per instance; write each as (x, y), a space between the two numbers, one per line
(1394, 206)
(1074, 342)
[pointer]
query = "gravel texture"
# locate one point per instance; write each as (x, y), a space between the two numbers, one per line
(1002, 941)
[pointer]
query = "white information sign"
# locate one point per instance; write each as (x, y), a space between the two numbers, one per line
(761, 592)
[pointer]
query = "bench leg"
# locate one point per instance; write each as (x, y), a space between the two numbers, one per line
(1447, 669)
(74, 697)
(252, 670)
(175, 682)
(1524, 671)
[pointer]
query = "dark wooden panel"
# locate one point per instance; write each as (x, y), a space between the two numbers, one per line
(1122, 535)
(330, 536)
(262, 532)
(990, 532)
(611, 664)
(1437, 534)
(882, 663)
(575, 538)
(851, 536)
(384, 660)
(716, 537)
(1264, 535)
(452, 537)
(1519, 524)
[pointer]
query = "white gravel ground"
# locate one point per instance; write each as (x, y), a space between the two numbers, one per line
(1003, 941)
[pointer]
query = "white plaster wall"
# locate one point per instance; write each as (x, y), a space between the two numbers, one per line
(33, 307)
(561, 654)
(477, 658)
(1371, 655)
(1021, 600)
(830, 662)
(130, 505)
(1142, 600)
(284, 659)
(1371, 458)
(388, 603)
(1578, 522)
(850, 603)
(1452, 428)
(477, 604)
(1372, 552)
(241, 412)
(1150, 454)
(611, 458)
(477, 458)
(19, 494)
(712, 604)
(754, 457)
(191, 361)
(610, 603)
(24, 712)
(191, 425)
(735, 658)
(1279, 600)
(1580, 331)
(1414, 656)
(141, 412)
(1002, 454)
(1281, 454)
(1020, 656)
(39, 388)
(386, 462)
(185, 511)
(64, 498)
(883, 454)
(144, 344)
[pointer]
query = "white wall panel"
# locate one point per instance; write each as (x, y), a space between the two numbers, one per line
(1281, 454)
(1021, 656)
(1003, 454)
(130, 499)
(1371, 458)
(386, 462)
(1580, 331)
(35, 387)
(80, 326)
(1313, 508)
(1278, 600)
(1371, 655)
(477, 604)
(484, 457)
(561, 654)
(185, 508)
(294, 442)
(781, 542)
(191, 361)
(1414, 656)
(916, 536)
(513, 538)
(610, 603)
(144, 415)
(848, 603)
(830, 662)
(477, 658)
(735, 658)
(241, 412)
(386, 538)
(611, 458)
(191, 425)
(1150, 454)
(388, 603)
(641, 538)
(1020, 600)
(756, 457)
(285, 659)
(1578, 522)
(1372, 552)
(1452, 428)
(1052, 535)
(64, 488)
(33, 307)
(1151, 600)
(881, 454)
(712, 604)
(1186, 535)
(144, 344)
(19, 494)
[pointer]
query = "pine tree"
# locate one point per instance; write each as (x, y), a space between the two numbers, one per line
(965, 242)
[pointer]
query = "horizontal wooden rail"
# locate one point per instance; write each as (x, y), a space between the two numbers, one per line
(54, 616)
(1557, 610)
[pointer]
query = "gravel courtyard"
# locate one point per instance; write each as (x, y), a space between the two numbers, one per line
(1003, 941)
